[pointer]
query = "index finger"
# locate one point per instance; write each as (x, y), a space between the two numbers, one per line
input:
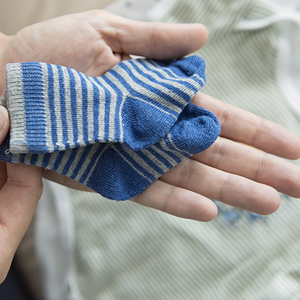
(245, 127)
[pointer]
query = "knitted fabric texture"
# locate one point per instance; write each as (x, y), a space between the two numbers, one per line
(55, 108)
(113, 169)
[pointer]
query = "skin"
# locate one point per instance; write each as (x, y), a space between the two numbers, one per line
(234, 173)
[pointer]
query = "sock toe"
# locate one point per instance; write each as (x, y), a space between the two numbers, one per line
(195, 131)
(189, 66)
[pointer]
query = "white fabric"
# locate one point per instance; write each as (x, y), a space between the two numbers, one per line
(55, 242)
(287, 19)
(147, 10)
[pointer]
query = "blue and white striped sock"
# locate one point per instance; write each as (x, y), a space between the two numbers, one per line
(54, 108)
(118, 172)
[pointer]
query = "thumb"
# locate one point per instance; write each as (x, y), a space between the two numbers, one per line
(4, 123)
(163, 41)
(152, 39)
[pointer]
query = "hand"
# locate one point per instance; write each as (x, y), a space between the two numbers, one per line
(228, 171)
(91, 42)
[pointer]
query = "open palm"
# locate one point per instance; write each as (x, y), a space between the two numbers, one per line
(93, 42)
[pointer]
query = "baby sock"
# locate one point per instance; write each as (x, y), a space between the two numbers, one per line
(116, 171)
(54, 108)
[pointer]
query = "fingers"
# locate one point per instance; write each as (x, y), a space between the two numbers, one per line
(250, 129)
(18, 200)
(65, 181)
(228, 188)
(159, 195)
(177, 201)
(253, 164)
(153, 40)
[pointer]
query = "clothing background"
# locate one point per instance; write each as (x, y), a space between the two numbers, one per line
(92, 248)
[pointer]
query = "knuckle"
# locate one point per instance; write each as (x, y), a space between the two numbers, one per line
(167, 200)
(222, 193)
(224, 116)
(217, 152)
(261, 166)
(258, 130)
(186, 173)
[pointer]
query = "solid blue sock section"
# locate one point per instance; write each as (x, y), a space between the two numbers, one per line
(54, 108)
(116, 171)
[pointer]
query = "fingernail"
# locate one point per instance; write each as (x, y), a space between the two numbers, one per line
(3, 118)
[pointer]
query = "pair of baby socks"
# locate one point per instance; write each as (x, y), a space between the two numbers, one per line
(116, 133)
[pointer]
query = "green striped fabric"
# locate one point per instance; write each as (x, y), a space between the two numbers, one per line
(126, 251)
